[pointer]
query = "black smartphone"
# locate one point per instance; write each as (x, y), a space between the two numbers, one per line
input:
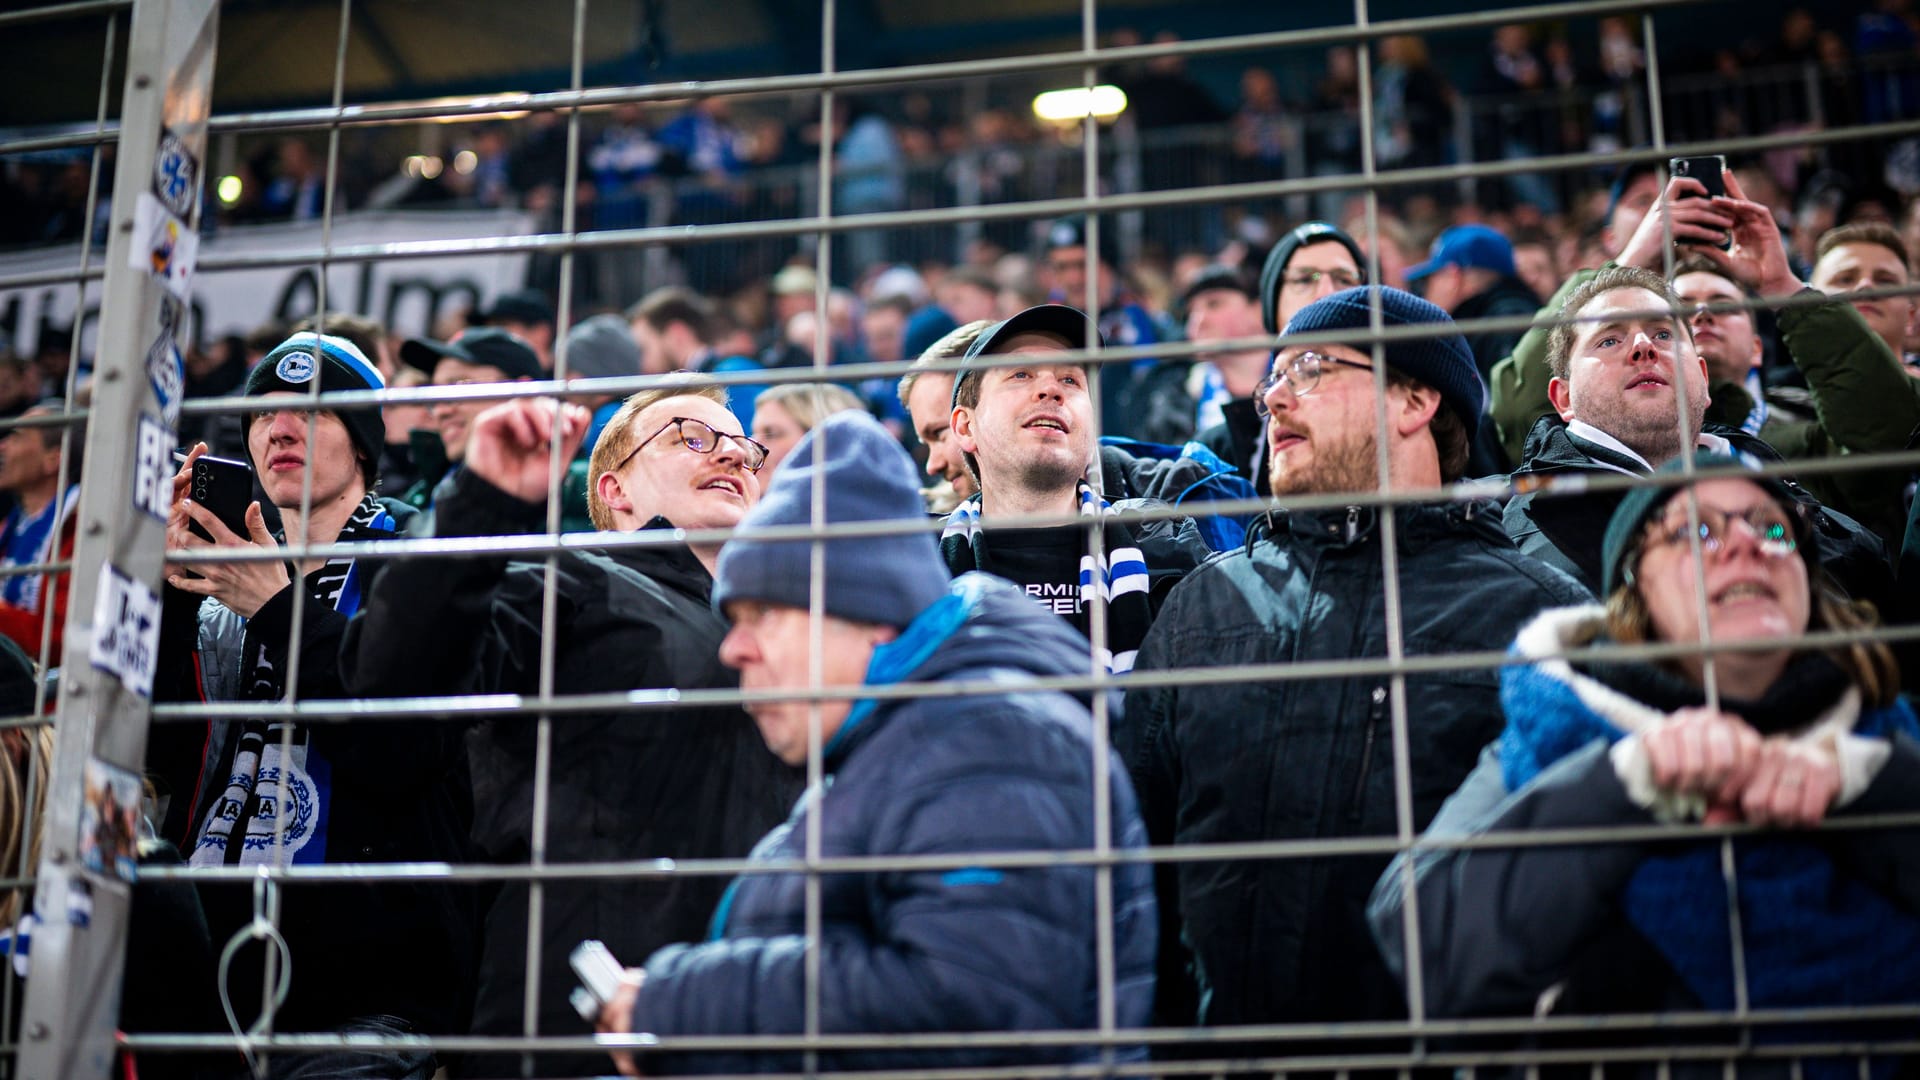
(225, 487)
(1708, 170)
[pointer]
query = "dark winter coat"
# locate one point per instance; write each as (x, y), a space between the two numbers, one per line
(1285, 940)
(675, 783)
(1566, 530)
(972, 949)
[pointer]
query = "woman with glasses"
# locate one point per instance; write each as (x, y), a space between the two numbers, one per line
(781, 414)
(1751, 724)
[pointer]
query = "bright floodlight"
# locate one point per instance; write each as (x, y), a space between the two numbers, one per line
(1102, 102)
(228, 190)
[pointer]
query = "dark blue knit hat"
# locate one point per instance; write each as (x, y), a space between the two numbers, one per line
(876, 579)
(292, 366)
(1444, 362)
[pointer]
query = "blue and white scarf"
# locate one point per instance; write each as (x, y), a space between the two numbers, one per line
(264, 785)
(1120, 578)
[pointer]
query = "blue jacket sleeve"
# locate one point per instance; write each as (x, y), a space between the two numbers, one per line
(977, 950)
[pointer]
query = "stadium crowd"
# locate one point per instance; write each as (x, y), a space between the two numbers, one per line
(1711, 333)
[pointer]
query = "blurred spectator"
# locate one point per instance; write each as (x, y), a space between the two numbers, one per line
(1413, 110)
(927, 396)
(528, 315)
(1333, 126)
(39, 529)
(484, 354)
(869, 176)
(1534, 261)
(968, 295)
(673, 327)
(704, 139)
(1617, 108)
(299, 187)
(1518, 126)
(1219, 305)
(1470, 275)
(781, 414)
(1122, 321)
(19, 384)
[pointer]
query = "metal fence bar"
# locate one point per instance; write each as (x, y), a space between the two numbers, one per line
(82, 910)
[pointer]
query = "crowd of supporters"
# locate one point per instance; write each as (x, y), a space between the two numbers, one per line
(1299, 667)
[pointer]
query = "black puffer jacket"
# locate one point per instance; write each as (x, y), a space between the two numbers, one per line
(672, 784)
(1286, 939)
(1566, 530)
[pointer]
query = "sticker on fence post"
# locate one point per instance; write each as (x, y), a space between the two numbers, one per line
(153, 468)
(166, 368)
(126, 630)
(176, 175)
(110, 820)
(163, 245)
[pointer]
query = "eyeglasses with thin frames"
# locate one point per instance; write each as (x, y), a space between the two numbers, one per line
(1302, 375)
(1310, 279)
(701, 438)
(1771, 530)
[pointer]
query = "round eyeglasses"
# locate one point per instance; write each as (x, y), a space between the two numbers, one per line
(1772, 532)
(701, 438)
(1301, 375)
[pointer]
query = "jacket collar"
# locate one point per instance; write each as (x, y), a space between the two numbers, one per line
(1417, 524)
(673, 564)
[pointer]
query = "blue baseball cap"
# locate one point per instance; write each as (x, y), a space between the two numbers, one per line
(1475, 247)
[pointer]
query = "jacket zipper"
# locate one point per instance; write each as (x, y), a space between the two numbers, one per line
(1354, 806)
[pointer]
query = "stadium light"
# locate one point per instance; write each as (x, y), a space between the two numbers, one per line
(1102, 102)
(228, 190)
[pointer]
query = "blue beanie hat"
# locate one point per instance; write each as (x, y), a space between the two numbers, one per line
(1444, 363)
(874, 579)
(925, 329)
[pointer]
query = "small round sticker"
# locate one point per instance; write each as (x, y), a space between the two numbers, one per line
(295, 367)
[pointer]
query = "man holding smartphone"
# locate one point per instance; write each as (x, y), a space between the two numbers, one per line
(378, 959)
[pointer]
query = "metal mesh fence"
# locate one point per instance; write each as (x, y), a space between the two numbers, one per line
(593, 256)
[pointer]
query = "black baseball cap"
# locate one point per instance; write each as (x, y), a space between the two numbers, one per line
(521, 306)
(488, 345)
(1068, 323)
(1217, 276)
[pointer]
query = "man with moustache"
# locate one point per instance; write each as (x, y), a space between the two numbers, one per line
(1258, 941)
(676, 783)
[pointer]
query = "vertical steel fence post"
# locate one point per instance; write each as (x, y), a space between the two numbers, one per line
(80, 937)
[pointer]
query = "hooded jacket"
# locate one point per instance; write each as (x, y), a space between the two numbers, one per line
(1284, 940)
(1565, 530)
(973, 949)
(1553, 930)
(661, 783)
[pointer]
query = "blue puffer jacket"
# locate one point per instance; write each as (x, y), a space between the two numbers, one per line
(956, 950)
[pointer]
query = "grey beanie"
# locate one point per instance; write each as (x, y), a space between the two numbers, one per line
(600, 347)
(874, 579)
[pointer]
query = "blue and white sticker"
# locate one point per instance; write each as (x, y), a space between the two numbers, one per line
(126, 630)
(296, 367)
(163, 245)
(176, 175)
(153, 468)
(166, 368)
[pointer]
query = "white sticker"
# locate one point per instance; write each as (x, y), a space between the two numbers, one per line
(295, 367)
(163, 245)
(176, 176)
(126, 630)
(153, 468)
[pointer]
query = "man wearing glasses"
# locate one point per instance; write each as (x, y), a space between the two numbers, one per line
(1313, 261)
(1282, 940)
(674, 783)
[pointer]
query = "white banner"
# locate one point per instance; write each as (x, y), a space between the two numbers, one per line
(404, 294)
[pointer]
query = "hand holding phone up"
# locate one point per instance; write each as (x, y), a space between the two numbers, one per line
(202, 484)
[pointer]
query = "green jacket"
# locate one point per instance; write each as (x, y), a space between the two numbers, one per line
(1863, 402)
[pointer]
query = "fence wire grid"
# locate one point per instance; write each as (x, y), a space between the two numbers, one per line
(1660, 1041)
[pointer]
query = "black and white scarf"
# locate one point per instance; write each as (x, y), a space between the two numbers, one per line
(1121, 578)
(271, 777)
